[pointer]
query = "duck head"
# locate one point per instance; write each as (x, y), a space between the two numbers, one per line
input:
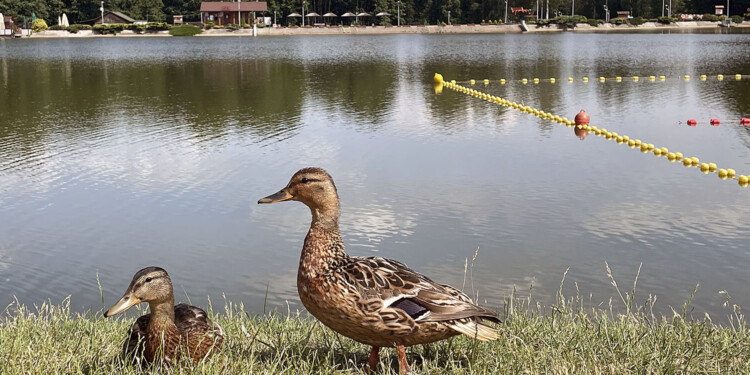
(152, 285)
(315, 188)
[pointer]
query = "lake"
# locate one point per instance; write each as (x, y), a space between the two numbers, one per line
(121, 153)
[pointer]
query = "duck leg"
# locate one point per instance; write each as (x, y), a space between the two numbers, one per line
(402, 365)
(373, 363)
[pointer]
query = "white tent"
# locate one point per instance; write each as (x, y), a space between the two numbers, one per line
(65, 20)
(59, 20)
(2, 22)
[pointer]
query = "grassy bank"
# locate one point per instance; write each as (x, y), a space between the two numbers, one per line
(563, 339)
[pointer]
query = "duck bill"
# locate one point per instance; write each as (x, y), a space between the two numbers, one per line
(127, 301)
(281, 196)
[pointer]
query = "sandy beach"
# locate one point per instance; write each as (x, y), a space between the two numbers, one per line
(411, 29)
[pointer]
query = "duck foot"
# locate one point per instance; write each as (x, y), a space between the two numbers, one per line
(402, 365)
(374, 357)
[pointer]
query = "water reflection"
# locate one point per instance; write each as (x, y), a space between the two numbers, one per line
(114, 157)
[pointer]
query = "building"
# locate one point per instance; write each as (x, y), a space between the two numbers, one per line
(226, 12)
(110, 17)
(9, 28)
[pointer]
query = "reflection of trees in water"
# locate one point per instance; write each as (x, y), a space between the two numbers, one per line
(362, 91)
(50, 99)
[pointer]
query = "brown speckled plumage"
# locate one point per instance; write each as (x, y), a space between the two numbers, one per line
(169, 331)
(372, 300)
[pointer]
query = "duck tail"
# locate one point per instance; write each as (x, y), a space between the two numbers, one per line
(475, 330)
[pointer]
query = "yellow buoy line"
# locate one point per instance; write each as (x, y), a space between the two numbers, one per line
(660, 78)
(644, 147)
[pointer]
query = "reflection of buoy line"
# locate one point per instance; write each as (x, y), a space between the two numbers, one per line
(618, 79)
(644, 147)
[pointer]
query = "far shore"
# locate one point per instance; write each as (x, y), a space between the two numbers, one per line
(411, 29)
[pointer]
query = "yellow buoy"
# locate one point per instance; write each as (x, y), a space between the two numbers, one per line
(524, 81)
(678, 155)
(486, 81)
(631, 143)
(638, 142)
(704, 167)
(635, 78)
(453, 82)
(657, 152)
(731, 173)
(585, 79)
(662, 78)
(618, 79)
(651, 78)
(650, 146)
(738, 76)
(687, 77)
(720, 77)
(743, 180)
(602, 79)
(551, 80)
(722, 173)
(703, 77)
(664, 150)
(626, 138)
(502, 81)
(536, 80)
(570, 79)
(694, 161)
(438, 78)
(687, 162)
(471, 82)
(671, 156)
(711, 167)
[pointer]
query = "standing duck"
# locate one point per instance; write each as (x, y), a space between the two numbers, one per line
(372, 300)
(168, 331)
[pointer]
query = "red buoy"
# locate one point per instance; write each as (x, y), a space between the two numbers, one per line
(745, 121)
(692, 122)
(582, 118)
(714, 122)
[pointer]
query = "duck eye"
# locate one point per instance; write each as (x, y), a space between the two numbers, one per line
(148, 279)
(305, 180)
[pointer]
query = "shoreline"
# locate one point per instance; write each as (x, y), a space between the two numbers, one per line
(411, 29)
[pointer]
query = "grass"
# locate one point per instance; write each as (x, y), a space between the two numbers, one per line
(566, 338)
(185, 30)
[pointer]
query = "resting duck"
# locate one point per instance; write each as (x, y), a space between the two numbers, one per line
(168, 330)
(372, 300)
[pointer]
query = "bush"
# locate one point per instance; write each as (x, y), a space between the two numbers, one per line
(57, 27)
(209, 25)
(617, 21)
(73, 29)
(157, 26)
(138, 28)
(746, 16)
(185, 30)
(666, 20)
(595, 23)
(232, 27)
(261, 25)
(637, 21)
(569, 22)
(38, 25)
(736, 19)
(710, 17)
(110, 28)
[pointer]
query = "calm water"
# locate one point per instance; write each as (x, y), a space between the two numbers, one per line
(117, 154)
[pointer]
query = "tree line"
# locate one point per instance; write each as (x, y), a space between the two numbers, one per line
(411, 11)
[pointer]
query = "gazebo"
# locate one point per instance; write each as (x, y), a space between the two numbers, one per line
(311, 14)
(329, 15)
(348, 15)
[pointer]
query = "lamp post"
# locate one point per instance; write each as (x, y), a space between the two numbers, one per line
(239, 13)
(398, 4)
(573, 8)
(547, 15)
(606, 14)
(102, 9)
(449, 17)
(506, 12)
(662, 8)
(303, 14)
(669, 11)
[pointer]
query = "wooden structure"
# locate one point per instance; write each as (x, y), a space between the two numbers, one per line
(624, 14)
(110, 17)
(9, 28)
(226, 12)
(177, 20)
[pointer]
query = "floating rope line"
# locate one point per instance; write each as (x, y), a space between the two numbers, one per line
(536, 81)
(645, 148)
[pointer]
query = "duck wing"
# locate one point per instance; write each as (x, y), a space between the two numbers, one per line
(391, 289)
(202, 334)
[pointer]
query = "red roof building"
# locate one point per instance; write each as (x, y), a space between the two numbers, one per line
(226, 12)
